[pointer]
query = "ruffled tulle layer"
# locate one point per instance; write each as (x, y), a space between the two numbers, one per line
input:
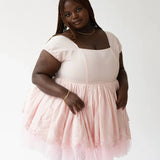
(98, 132)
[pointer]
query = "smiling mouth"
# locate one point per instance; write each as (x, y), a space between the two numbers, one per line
(77, 22)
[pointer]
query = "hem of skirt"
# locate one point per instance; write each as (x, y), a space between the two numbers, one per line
(50, 150)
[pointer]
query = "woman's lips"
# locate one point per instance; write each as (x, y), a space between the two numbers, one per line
(77, 22)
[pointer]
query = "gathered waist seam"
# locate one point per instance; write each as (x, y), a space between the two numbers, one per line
(88, 83)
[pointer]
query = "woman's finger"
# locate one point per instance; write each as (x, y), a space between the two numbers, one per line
(71, 108)
(76, 108)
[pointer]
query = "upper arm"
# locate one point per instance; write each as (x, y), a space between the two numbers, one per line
(46, 64)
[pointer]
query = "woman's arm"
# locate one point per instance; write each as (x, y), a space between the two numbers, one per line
(122, 92)
(45, 68)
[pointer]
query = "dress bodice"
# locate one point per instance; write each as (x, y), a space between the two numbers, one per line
(85, 65)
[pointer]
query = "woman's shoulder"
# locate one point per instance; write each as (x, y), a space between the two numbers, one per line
(59, 38)
(59, 41)
(65, 34)
(114, 40)
(112, 35)
(109, 34)
(56, 38)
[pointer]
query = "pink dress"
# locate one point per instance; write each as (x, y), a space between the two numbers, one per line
(99, 131)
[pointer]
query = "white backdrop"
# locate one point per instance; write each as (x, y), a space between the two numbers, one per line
(26, 25)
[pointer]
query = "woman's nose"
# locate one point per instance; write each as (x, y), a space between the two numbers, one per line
(74, 15)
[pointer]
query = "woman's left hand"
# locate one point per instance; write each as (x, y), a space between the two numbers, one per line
(122, 97)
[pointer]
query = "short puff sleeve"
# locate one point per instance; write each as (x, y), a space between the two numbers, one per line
(115, 43)
(56, 47)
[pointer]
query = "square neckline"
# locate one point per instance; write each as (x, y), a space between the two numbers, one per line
(87, 49)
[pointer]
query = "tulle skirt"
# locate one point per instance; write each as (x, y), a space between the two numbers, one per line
(99, 131)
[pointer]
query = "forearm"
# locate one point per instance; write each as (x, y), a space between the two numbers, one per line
(123, 79)
(49, 86)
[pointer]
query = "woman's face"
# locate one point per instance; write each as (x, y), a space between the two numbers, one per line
(75, 14)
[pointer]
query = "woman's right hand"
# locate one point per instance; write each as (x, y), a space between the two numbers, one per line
(74, 102)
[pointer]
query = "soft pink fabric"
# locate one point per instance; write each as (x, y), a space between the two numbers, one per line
(99, 131)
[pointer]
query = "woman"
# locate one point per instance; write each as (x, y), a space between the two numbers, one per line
(77, 109)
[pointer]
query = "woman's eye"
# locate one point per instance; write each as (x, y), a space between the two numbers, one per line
(67, 15)
(78, 9)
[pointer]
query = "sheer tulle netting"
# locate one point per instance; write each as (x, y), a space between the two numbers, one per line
(98, 132)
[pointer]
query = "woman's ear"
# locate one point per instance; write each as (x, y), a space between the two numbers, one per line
(65, 27)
